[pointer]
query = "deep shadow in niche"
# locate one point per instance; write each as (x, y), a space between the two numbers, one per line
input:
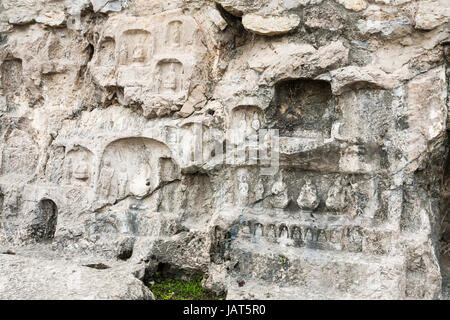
(444, 236)
(302, 107)
(47, 218)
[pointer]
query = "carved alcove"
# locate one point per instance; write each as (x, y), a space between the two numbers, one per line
(170, 77)
(47, 216)
(174, 36)
(193, 144)
(132, 166)
(136, 47)
(246, 120)
(78, 166)
(106, 55)
(198, 199)
(20, 154)
(302, 108)
(11, 80)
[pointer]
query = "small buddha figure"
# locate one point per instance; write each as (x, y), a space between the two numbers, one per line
(336, 200)
(308, 199)
(123, 54)
(243, 187)
(138, 54)
(68, 171)
(141, 183)
(245, 229)
(256, 124)
(170, 81)
(280, 197)
(81, 171)
(105, 179)
(240, 131)
(175, 34)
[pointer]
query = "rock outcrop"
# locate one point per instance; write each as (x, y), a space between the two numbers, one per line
(284, 149)
(35, 278)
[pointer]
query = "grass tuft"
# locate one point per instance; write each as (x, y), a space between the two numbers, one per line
(171, 289)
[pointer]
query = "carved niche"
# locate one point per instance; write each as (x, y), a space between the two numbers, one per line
(78, 166)
(133, 166)
(135, 48)
(245, 122)
(169, 77)
(302, 108)
(174, 33)
(156, 57)
(134, 55)
(106, 54)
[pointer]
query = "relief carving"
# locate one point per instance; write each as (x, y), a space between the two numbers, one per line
(136, 47)
(280, 198)
(307, 198)
(169, 77)
(20, 154)
(174, 30)
(347, 238)
(337, 199)
(78, 166)
(106, 56)
(133, 166)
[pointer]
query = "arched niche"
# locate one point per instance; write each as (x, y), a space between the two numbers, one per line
(47, 218)
(133, 166)
(78, 166)
(169, 76)
(106, 52)
(136, 47)
(174, 36)
(246, 118)
(195, 142)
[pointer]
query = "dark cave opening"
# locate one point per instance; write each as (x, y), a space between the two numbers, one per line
(302, 106)
(47, 220)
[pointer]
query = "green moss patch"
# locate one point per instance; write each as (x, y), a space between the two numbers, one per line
(172, 289)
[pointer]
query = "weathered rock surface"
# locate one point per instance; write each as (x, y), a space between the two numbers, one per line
(270, 25)
(284, 149)
(31, 278)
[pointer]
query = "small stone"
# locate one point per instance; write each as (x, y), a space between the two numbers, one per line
(270, 25)
(355, 5)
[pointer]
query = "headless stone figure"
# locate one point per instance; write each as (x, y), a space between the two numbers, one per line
(138, 54)
(336, 200)
(280, 197)
(307, 199)
(106, 175)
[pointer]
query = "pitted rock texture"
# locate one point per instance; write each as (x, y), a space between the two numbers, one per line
(332, 114)
(36, 278)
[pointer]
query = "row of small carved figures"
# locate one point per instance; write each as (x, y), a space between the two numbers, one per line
(336, 235)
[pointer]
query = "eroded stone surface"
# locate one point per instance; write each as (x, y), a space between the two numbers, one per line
(114, 116)
(270, 25)
(31, 278)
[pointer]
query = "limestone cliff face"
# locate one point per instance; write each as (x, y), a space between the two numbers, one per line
(137, 130)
